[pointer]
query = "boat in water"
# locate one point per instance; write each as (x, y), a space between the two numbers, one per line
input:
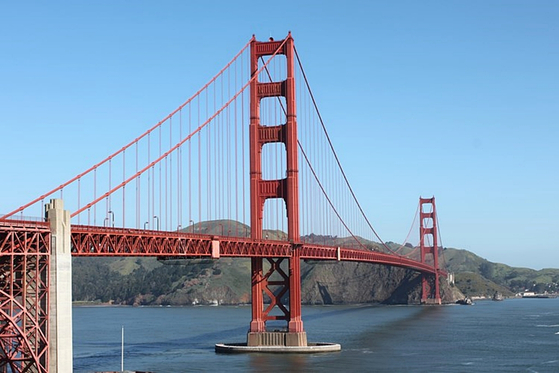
(465, 302)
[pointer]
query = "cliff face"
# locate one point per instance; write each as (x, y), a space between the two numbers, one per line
(347, 282)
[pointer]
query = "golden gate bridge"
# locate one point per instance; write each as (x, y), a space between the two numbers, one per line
(249, 148)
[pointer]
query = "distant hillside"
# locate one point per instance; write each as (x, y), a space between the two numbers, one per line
(145, 281)
(478, 276)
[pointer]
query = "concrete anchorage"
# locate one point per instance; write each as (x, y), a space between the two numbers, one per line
(60, 293)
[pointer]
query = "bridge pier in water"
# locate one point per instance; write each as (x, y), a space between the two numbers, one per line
(280, 282)
(290, 284)
(283, 284)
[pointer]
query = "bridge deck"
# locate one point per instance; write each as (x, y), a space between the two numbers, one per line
(108, 241)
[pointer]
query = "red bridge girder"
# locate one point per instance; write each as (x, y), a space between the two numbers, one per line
(103, 241)
(317, 252)
(100, 241)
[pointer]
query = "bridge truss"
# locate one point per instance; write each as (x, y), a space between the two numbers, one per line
(24, 297)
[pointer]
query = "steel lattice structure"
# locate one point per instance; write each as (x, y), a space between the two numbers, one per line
(24, 297)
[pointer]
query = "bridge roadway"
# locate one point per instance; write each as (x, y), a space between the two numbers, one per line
(109, 241)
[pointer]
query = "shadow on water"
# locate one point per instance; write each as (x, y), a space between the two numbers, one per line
(347, 309)
(224, 335)
(395, 328)
(373, 336)
(395, 342)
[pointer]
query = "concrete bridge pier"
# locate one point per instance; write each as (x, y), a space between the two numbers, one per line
(60, 289)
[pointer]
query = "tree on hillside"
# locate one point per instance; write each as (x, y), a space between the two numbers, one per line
(487, 270)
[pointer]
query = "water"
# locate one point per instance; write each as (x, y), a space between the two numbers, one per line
(519, 335)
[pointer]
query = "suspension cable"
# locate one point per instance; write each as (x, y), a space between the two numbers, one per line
(62, 186)
(197, 130)
(337, 159)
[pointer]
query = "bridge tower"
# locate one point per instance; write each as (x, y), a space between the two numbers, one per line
(282, 284)
(428, 243)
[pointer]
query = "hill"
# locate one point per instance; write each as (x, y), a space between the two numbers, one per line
(145, 281)
(476, 276)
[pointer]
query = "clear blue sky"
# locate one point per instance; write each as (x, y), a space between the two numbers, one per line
(457, 99)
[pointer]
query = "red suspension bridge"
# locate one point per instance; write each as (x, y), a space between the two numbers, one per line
(249, 147)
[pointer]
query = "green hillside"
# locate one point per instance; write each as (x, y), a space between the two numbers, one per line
(478, 276)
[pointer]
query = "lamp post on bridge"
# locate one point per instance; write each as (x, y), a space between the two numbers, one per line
(156, 218)
(112, 218)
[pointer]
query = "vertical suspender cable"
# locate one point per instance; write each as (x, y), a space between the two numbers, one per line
(150, 185)
(160, 194)
(199, 169)
(79, 198)
(243, 147)
(236, 164)
(190, 221)
(179, 176)
(110, 187)
(138, 195)
(123, 189)
(95, 195)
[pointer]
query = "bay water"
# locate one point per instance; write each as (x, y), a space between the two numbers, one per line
(515, 335)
